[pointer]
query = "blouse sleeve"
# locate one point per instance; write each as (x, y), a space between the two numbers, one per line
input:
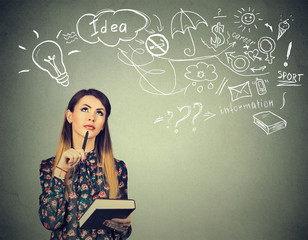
(52, 201)
(122, 178)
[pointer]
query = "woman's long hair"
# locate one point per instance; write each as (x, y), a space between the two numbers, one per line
(103, 146)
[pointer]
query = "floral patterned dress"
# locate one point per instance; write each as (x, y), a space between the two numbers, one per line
(61, 216)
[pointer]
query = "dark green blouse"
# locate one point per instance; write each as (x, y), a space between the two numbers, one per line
(61, 216)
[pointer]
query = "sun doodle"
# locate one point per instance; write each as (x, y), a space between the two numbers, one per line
(247, 18)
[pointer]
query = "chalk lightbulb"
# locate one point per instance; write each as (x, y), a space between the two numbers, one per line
(48, 56)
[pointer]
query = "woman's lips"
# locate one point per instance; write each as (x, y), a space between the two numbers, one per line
(89, 127)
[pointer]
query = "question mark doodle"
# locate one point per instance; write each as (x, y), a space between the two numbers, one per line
(198, 113)
(219, 10)
(183, 118)
(170, 117)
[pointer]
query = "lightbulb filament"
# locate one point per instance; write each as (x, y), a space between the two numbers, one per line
(51, 61)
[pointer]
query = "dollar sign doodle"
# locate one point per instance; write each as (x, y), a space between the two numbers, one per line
(218, 30)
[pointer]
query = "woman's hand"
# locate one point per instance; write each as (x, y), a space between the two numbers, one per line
(70, 158)
(119, 224)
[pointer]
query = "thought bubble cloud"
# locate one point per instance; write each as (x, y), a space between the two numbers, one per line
(201, 72)
(111, 27)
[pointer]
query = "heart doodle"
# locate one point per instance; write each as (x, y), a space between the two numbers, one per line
(253, 55)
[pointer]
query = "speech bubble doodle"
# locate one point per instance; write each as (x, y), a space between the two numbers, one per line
(120, 25)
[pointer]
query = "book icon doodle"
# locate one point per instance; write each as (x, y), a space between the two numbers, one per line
(269, 122)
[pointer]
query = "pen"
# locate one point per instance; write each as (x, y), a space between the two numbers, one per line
(85, 141)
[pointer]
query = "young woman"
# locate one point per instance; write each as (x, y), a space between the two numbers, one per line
(74, 178)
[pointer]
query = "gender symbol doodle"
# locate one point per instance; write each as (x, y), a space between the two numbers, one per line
(267, 41)
(215, 58)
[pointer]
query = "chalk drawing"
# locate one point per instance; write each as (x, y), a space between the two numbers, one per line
(200, 89)
(239, 63)
(21, 47)
(24, 71)
(246, 46)
(157, 45)
(210, 86)
(242, 38)
(253, 55)
(158, 119)
(74, 51)
(171, 114)
(36, 33)
(160, 28)
(287, 79)
(201, 72)
(58, 35)
(240, 91)
(183, 118)
(283, 26)
(246, 106)
(269, 122)
(269, 26)
(208, 115)
(93, 28)
(185, 21)
(288, 54)
(145, 82)
(218, 30)
(221, 86)
(267, 46)
(70, 37)
(283, 100)
(218, 14)
(260, 86)
(200, 106)
(254, 69)
(48, 57)
(197, 106)
(247, 18)
(142, 44)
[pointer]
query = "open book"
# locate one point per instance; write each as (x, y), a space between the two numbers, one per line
(106, 209)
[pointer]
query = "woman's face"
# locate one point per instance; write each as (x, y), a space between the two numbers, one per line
(89, 115)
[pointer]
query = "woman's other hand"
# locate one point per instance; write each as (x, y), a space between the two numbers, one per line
(119, 224)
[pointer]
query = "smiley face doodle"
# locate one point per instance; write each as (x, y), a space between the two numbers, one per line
(247, 18)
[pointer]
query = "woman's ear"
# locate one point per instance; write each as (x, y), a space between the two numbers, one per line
(69, 116)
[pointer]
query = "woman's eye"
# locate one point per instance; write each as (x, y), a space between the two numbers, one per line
(100, 113)
(84, 109)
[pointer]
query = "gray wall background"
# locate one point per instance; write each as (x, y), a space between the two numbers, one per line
(227, 180)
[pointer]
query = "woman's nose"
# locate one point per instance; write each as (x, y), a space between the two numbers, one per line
(91, 117)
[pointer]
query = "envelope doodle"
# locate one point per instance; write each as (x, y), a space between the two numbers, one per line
(240, 91)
